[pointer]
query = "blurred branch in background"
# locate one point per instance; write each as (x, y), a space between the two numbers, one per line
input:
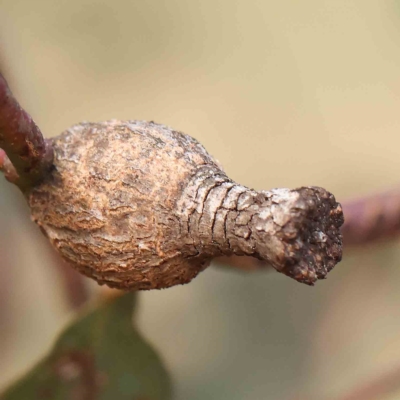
(74, 284)
(372, 218)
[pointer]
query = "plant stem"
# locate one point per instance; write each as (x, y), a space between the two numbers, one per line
(27, 150)
(372, 218)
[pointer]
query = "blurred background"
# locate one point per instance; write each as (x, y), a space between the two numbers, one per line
(283, 94)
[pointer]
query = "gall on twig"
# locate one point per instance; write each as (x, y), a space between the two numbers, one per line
(137, 205)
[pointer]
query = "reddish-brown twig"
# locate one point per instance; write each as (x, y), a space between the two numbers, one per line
(372, 218)
(22, 141)
(74, 285)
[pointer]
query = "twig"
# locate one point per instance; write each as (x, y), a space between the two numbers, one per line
(372, 218)
(21, 139)
(74, 286)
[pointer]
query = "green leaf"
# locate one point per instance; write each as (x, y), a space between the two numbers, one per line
(99, 357)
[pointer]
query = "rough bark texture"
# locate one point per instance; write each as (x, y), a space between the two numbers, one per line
(369, 221)
(136, 205)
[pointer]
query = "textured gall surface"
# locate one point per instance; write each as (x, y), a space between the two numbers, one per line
(137, 205)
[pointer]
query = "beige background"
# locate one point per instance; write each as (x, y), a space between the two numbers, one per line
(283, 93)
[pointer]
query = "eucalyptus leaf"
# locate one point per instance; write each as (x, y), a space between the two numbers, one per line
(98, 357)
